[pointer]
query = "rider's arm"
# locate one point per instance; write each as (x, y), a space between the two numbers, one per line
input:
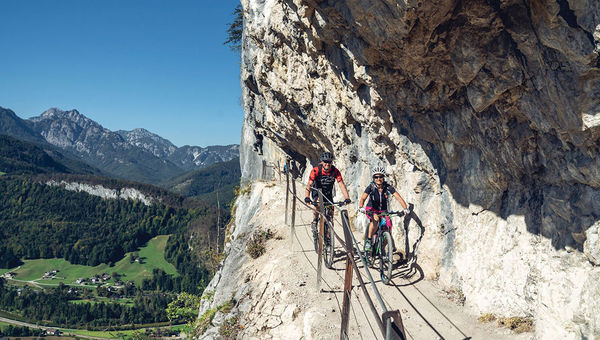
(363, 198)
(344, 190)
(338, 175)
(309, 185)
(400, 199)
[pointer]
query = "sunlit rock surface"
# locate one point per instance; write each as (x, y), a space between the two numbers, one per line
(99, 190)
(485, 113)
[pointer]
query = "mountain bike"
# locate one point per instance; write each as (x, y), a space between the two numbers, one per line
(382, 247)
(328, 237)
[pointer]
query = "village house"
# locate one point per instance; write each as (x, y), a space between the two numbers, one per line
(9, 275)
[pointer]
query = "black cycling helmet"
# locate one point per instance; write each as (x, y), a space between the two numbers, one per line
(326, 157)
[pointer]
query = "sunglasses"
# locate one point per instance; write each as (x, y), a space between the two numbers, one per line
(378, 177)
(328, 162)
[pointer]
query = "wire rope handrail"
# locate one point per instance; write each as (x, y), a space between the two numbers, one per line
(345, 224)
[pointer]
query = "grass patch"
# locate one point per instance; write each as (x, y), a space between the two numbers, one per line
(518, 324)
(208, 296)
(204, 321)
(227, 306)
(456, 295)
(128, 302)
(487, 317)
(229, 328)
(256, 246)
(103, 334)
(202, 324)
(242, 190)
(152, 256)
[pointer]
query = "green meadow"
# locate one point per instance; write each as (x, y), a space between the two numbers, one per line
(151, 255)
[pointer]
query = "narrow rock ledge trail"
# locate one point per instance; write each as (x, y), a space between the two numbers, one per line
(284, 302)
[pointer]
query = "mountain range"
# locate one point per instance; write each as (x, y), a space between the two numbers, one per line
(137, 155)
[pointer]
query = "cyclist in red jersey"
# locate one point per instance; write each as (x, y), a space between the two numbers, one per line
(323, 176)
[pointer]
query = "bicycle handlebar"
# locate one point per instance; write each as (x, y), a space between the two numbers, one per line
(384, 213)
(327, 204)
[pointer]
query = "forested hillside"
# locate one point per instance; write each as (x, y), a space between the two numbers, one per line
(40, 221)
(20, 157)
(204, 183)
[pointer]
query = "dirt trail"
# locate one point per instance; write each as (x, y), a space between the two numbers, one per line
(426, 310)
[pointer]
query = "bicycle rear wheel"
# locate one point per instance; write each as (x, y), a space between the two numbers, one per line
(328, 246)
(385, 257)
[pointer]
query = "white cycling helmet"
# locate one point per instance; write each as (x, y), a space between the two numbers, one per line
(378, 170)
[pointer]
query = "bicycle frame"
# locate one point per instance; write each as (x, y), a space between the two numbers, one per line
(382, 233)
(328, 233)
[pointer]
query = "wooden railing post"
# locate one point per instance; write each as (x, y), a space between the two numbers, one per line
(287, 191)
(321, 232)
(278, 170)
(348, 276)
(394, 327)
(293, 227)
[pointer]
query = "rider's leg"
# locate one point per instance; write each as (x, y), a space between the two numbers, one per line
(315, 199)
(373, 224)
(315, 213)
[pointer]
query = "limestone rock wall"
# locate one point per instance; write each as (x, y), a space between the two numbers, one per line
(98, 190)
(486, 114)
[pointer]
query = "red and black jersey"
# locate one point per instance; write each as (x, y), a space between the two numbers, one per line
(325, 180)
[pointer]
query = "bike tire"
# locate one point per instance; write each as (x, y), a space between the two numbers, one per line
(386, 253)
(328, 247)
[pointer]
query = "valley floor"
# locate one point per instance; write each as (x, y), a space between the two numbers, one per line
(284, 302)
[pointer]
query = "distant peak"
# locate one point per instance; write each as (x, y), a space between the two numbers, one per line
(137, 133)
(56, 113)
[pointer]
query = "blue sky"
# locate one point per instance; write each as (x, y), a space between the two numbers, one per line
(159, 65)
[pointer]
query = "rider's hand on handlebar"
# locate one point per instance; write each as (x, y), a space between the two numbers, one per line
(406, 212)
(347, 201)
(307, 200)
(361, 210)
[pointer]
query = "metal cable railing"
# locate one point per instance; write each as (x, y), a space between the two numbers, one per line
(304, 253)
(387, 330)
(393, 328)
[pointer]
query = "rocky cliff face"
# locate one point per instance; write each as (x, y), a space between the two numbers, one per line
(99, 190)
(485, 113)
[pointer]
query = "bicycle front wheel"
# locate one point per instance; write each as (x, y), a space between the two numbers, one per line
(370, 255)
(315, 233)
(328, 245)
(386, 253)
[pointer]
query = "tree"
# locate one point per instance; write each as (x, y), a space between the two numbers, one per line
(234, 32)
(184, 308)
